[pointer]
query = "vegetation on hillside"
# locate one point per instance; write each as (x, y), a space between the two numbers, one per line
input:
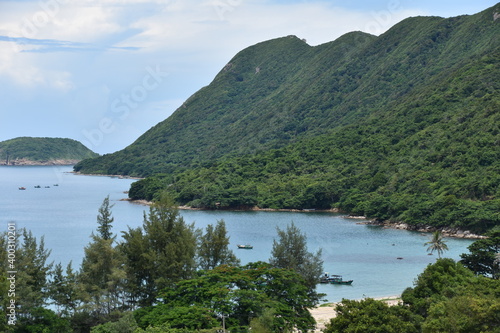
(446, 298)
(278, 91)
(424, 163)
(403, 126)
(42, 150)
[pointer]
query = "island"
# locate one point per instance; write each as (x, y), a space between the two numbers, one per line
(43, 151)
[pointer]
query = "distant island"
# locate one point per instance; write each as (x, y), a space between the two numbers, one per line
(43, 151)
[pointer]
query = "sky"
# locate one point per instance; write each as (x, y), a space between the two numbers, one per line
(103, 72)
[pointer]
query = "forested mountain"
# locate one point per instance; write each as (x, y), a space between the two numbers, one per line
(35, 151)
(404, 126)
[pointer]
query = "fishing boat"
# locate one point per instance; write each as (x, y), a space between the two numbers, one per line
(245, 246)
(333, 279)
(337, 279)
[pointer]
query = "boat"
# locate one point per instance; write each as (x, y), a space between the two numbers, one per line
(38, 186)
(246, 246)
(22, 188)
(333, 279)
(337, 279)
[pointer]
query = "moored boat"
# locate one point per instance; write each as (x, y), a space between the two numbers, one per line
(333, 279)
(337, 279)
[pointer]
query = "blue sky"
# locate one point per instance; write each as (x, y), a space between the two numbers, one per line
(105, 71)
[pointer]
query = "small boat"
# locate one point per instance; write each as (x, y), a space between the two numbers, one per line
(38, 186)
(246, 246)
(56, 184)
(337, 279)
(22, 188)
(333, 279)
(47, 186)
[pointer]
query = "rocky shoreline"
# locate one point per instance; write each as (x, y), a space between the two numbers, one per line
(447, 231)
(26, 162)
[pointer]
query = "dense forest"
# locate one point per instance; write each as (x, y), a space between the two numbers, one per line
(399, 127)
(42, 150)
(166, 276)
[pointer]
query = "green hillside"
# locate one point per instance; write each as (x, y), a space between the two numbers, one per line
(404, 126)
(28, 150)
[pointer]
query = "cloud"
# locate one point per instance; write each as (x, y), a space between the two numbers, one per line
(50, 45)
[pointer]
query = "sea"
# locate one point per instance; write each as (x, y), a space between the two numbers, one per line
(62, 207)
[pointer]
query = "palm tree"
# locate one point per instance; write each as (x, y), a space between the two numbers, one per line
(437, 243)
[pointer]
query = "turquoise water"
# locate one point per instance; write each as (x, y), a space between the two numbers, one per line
(65, 215)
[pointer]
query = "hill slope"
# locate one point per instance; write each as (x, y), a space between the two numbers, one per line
(278, 91)
(433, 160)
(41, 151)
(401, 127)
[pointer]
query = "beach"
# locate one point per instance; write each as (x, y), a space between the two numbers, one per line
(323, 313)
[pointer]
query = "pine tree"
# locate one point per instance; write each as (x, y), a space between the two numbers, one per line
(213, 249)
(105, 220)
(101, 274)
(160, 254)
(290, 251)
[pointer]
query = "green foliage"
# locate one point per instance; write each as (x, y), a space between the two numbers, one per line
(372, 316)
(125, 324)
(105, 220)
(213, 248)
(41, 320)
(446, 298)
(160, 253)
(64, 290)
(381, 126)
(484, 256)
(42, 150)
(290, 251)
(240, 294)
(400, 165)
(437, 244)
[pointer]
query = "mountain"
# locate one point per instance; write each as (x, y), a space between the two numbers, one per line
(402, 127)
(278, 91)
(43, 151)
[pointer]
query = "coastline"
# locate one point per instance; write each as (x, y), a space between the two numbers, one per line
(447, 232)
(324, 312)
(25, 162)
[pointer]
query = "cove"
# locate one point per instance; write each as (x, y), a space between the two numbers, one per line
(65, 215)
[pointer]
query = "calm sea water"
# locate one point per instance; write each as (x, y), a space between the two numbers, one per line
(65, 215)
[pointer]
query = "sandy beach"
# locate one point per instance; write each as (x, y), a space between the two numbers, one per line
(323, 313)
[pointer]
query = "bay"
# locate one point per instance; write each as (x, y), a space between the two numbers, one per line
(65, 215)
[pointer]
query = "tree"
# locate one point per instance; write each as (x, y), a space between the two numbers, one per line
(290, 251)
(372, 316)
(442, 276)
(437, 244)
(213, 250)
(105, 220)
(63, 290)
(101, 274)
(483, 257)
(278, 297)
(160, 254)
(32, 272)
